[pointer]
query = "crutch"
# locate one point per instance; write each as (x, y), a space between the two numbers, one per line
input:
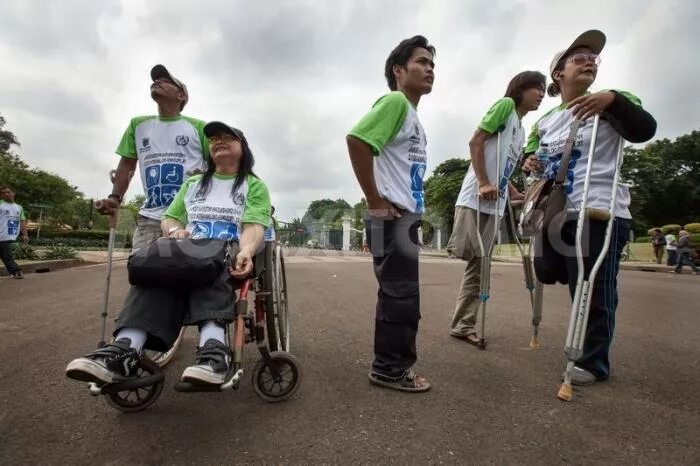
(485, 284)
(533, 286)
(581, 304)
(110, 253)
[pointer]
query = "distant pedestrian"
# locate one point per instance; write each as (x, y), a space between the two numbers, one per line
(13, 223)
(684, 253)
(658, 241)
(671, 249)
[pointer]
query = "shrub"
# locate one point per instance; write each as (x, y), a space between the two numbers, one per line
(673, 228)
(79, 234)
(24, 252)
(59, 251)
(693, 228)
(642, 239)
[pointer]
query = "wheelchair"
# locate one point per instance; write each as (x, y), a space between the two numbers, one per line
(262, 320)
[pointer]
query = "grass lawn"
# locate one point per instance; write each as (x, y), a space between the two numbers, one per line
(639, 252)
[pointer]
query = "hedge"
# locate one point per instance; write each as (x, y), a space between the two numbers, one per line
(79, 243)
(692, 228)
(80, 234)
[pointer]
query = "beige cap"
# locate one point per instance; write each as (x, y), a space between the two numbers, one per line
(593, 39)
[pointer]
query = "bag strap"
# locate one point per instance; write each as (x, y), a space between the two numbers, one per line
(568, 148)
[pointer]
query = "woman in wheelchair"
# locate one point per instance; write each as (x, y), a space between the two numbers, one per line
(228, 202)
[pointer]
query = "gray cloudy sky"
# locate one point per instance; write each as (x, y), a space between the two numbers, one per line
(295, 75)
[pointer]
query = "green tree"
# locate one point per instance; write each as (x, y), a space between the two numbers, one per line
(441, 191)
(326, 211)
(664, 179)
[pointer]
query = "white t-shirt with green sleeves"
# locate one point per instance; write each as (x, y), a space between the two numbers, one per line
(11, 214)
(167, 150)
(218, 214)
(548, 138)
(393, 131)
(504, 120)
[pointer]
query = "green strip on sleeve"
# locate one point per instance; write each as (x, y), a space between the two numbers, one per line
(383, 122)
(497, 116)
(176, 210)
(629, 96)
(22, 215)
(127, 145)
(199, 126)
(257, 203)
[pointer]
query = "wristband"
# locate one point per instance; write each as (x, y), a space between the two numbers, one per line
(115, 196)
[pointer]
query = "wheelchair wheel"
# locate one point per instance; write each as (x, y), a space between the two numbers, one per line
(162, 359)
(273, 390)
(268, 287)
(137, 399)
(280, 294)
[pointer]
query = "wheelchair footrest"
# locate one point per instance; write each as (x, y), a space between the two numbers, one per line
(187, 387)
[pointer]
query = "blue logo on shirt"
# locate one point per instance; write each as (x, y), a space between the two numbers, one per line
(13, 227)
(554, 164)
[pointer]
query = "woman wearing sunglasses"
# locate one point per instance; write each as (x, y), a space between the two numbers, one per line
(228, 202)
(573, 71)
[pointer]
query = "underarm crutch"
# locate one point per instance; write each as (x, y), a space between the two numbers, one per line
(534, 287)
(486, 252)
(581, 304)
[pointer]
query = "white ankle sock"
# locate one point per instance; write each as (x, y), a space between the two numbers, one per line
(211, 329)
(136, 335)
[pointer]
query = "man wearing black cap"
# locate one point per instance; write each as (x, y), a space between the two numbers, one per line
(166, 147)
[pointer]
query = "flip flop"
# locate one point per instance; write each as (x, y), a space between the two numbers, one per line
(470, 338)
(409, 382)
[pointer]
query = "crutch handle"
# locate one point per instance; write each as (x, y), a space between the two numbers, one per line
(597, 214)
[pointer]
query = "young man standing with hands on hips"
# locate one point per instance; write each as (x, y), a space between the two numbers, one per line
(387, 151)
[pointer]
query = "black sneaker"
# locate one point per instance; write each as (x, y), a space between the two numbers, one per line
(17, 276)
(211, 366)
(112, 363)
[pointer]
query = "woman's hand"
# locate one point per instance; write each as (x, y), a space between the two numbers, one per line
(243, 266)
(531, 164)
(588, 105)
(488, 192)
(180, 234)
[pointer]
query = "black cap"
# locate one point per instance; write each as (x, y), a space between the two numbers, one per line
(160, 71)
(214, 127)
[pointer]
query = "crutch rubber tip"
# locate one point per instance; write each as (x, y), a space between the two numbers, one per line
(535, 343)
(482, 344)
(566, 393)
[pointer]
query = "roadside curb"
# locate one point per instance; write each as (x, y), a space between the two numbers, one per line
(48, 266)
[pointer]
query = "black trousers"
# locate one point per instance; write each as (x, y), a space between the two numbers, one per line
(7, 259)
(394, 246)
(161, 312)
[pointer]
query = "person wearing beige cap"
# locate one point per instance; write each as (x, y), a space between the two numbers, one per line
(573, 71)
(166, 148)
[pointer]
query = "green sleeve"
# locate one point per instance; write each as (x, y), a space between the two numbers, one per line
(383, 122)
(629, 96)
(498, 115)
(257, 203)
(176, 210)
(533, 140)
(22, 215)
(127, 145)
(199, 126)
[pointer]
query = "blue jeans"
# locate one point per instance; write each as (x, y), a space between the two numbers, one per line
(601, 319)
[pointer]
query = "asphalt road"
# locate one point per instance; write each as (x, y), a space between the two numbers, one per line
(486, 407)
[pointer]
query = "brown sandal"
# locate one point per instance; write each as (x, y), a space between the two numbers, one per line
(470, 338)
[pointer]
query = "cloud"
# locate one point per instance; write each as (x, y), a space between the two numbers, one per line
(296, 76)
